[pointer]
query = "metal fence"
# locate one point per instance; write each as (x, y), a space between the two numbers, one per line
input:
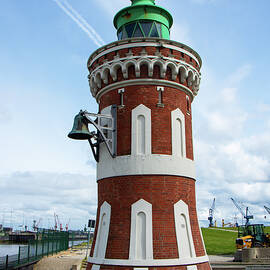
(46, 243)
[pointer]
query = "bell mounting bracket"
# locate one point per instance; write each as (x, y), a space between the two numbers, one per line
(106, 130)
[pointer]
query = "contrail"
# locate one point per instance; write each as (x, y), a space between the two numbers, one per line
(81, 23)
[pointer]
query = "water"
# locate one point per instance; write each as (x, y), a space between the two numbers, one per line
(14, 249)
(9, 249)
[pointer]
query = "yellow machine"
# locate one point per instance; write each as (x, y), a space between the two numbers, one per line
(252, 236)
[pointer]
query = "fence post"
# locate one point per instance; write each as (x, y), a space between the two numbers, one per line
(36, 247)
(7, 262)
(28, 252)
(19, 255)
(42, 241)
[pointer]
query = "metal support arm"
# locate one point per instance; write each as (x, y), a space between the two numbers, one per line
(106, 131)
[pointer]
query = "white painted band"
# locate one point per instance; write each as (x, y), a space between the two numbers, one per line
(157, 82)
(144, 165)
(178, 47)
(149, 263)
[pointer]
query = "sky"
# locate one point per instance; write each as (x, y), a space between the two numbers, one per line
(44, 48)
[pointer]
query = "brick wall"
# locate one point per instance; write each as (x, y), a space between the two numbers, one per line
(162, 192)
(161, 117)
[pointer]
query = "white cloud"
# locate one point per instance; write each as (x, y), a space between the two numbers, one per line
(240, 74)
(232, 147)
(180, 32)
(43, 194)
(228, 95)
(263, 108)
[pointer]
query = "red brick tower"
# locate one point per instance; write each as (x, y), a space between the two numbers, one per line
(146, 217)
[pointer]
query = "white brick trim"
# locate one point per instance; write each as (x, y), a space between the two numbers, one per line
(137, 135)
(103, 231)
(138, 207)
(143, 164)
(184, 237)
(150, 263)
(178, 140)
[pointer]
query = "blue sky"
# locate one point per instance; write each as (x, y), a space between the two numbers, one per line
(43, 84)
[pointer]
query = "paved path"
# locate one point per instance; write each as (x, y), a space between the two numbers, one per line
(225, 230)
(220, 258)
(62, 261)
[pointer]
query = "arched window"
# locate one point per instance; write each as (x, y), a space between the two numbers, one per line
(141, 131)
(141, 134)
(178, 133)
(141, 235)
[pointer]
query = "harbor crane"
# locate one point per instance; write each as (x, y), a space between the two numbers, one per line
(55, 221)
(67, 225)
(245, 215)
(267, 209)
(36, 224)
(211, 213)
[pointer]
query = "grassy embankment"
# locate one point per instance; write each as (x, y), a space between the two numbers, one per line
(221, 241)
(218, 241)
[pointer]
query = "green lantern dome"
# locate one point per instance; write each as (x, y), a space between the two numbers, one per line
(143, 19)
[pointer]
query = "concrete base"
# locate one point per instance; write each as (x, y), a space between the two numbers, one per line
(253, 255)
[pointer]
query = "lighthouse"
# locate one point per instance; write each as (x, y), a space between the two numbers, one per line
(144, 84)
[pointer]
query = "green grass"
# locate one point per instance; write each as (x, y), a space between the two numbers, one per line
(267, 230)
(218, 242)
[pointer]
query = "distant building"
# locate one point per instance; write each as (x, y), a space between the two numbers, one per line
(7, 230)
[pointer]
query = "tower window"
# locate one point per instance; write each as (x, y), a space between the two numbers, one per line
(154, 32)
(138, 32)
(130, 28)
(120, 34)
(140, 29)
(124, 35)
(146, 26)
(159, 29)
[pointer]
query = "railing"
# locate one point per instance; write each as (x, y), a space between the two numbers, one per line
(46, 243)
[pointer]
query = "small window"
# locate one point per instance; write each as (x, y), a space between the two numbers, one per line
(146, 27)
(130, 28)
(124, 34)
(182, 54)
(120, 34)
(159, 29)
(138, 32)
(154, 32)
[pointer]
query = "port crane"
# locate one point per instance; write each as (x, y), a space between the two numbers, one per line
(267, 209)
(67, 225)
(55, 221)
(36, 224)
(211, 213)
(245, 215)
